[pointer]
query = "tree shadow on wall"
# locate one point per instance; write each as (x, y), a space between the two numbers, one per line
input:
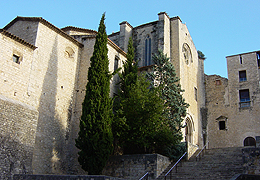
(50, 135)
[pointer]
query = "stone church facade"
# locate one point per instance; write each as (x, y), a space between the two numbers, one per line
(43, 78)
(172, 37)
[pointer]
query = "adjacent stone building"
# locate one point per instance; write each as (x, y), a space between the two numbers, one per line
(43, 79)
(233, 104)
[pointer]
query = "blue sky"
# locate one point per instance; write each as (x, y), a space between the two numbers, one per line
(219, 28)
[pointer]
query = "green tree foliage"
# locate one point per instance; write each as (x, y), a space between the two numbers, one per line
(95, 139)
(142, 110)
(128, 77)
(139, 125)
(129, 74)
(164, 78)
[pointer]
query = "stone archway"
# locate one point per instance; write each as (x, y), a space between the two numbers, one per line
(249, 141)
(188, 131)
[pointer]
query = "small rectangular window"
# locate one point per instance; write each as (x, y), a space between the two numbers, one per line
(222, 125)
(242, 76)
(218, 82)
(244, 98)
(116, 64)
(16, 59)
(241, 60)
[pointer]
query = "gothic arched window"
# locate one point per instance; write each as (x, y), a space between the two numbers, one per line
(147, 55)
(186, 53)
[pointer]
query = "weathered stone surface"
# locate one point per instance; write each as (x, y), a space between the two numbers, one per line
(17, 137)
(51, 78)
(224, 104)
(251, 160)
(62, 177)
(135, 166)
(171, 35)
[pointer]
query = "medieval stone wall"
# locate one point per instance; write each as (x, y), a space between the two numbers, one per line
(51, 73)
(18, 123)
(115, 37)
(52, 78)
(139, 35)
(133, 167)
(18, 119)
(82, 80)
(26, 30)
(171, 35)
(55, 68)
(185, 60)
(239, 115)
(218, 107)
(225, 107)
(163, 31)
(15, 77)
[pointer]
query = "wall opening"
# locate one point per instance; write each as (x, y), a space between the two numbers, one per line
(148, 53)
(188, 131)
(244, 98)
(249, 141)
(242, 76)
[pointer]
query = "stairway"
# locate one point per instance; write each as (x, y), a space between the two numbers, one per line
(219, 163)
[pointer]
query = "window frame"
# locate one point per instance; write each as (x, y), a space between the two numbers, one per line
(148, 51)
(16, 58)
(222, 125)
(242, 76)
(116, 63)
(244, 100)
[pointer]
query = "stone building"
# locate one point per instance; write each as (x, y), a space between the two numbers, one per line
(43, 78)
(233, 104)
(172, 37)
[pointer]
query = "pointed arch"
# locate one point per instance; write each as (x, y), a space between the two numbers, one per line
(189, 129)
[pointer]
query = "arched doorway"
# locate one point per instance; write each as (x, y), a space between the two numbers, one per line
(249, 141)
(188, 131)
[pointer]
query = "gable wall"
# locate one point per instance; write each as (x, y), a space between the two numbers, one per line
(26, 30)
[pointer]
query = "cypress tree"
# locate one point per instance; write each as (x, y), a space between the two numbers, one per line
(95, 137)
(128, 77)
(129, 74)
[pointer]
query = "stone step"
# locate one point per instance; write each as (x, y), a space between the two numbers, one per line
(219, 163)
